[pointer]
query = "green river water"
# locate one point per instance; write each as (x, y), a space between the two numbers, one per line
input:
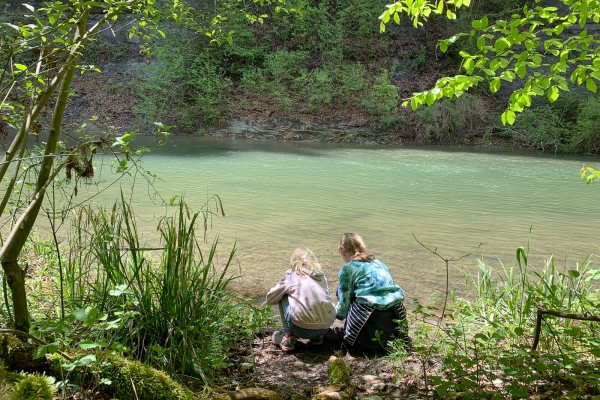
(279, 196)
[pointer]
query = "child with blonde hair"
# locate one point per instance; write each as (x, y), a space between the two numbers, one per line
(304, 302)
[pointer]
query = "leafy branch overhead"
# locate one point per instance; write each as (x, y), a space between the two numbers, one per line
(543, 48)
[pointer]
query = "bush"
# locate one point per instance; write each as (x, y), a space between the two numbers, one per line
(352, 81)
(179, 86)
(586, 132)
(285, 66)
(452, 121)
(541, 128)
(317, 88)
(383, 97)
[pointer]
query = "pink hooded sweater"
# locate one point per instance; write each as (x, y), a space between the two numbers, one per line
(310, 304)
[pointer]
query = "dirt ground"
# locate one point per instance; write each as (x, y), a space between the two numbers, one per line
(297, 374)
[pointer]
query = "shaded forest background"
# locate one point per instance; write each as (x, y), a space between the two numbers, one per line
(315, 70)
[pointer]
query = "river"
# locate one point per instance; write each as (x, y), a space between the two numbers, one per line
(281, 195)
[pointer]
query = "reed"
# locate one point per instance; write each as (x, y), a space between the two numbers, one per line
(180, 315)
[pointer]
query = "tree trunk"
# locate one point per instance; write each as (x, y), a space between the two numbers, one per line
(20, 232)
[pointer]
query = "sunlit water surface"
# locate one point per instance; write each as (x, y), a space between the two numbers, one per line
(279, 196)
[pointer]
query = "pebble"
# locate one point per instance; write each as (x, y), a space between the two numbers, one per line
(369, 378)
(372, 397)
(378, 386)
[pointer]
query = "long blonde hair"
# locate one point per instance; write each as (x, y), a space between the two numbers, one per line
(304, 258)
(353, 244)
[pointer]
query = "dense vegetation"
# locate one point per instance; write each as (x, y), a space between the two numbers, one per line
(328, 61)
(103, 307)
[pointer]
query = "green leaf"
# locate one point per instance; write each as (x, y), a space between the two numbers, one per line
(484, 20)
(501, 44)
(40, 352)
(480, 42)
(553, 94)
(443, 46)
(518, 331)
(21, 67)
(88, 344)
(414, 103)
(508, 117)
(385, 17)
(574, 274)
(591, 85)
(80, 315)
(521, 71)
(476, 24)
(429, 98)
(495, 85)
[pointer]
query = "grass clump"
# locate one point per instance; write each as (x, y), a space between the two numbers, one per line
(165, 304)
(484, 344)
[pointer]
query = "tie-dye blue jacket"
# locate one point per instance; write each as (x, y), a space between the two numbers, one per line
(368, 283)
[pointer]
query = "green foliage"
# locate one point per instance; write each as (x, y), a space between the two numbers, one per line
(586, 132)
(453, 121)
(182, 86)
(568, 125)
(171, 309)
(359, 18)
(317, 88)
(383, 98)
(485, 343)
(283, 66)
(530, 46)
(352, 80)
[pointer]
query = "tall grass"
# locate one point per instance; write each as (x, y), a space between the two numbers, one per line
(170, 299)
(485, 347)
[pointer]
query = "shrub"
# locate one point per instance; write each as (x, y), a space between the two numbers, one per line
(352, 81)
(383, 97)
(285, 66)
(179, 86)
(541, 128)
(317, 88)
(586, 132)
(450, 121)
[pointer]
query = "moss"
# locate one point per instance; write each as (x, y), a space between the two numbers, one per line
(24, 386)
(34, 387)
(130, 380)
(132, 377)
(339, 372)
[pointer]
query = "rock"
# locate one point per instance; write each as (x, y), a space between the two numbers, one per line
(253, 394)
(335, 392)
(369, 378)
(378, 386)
(372, 397)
